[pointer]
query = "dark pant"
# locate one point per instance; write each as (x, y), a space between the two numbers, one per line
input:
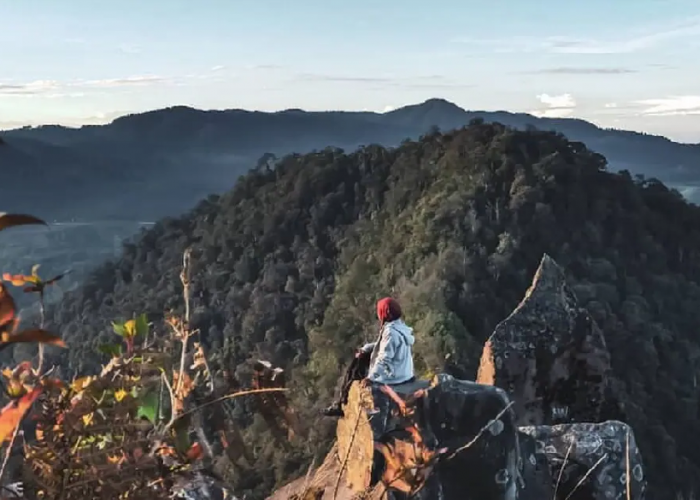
(357, 370)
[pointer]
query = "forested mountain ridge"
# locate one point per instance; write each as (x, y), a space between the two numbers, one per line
(159, 163)
(288, 264)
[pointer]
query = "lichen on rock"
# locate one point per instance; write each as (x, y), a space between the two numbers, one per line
(598, 461)
(549, 354)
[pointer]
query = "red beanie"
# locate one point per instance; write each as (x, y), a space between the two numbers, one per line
(388, 310)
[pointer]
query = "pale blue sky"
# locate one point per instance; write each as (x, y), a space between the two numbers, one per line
(622, 63)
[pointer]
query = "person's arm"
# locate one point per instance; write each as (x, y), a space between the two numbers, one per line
(369, 347)
(387, 350)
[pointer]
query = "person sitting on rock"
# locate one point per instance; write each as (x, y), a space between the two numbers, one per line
(387, 361)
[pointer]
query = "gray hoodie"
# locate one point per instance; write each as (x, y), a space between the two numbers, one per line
(392, 357)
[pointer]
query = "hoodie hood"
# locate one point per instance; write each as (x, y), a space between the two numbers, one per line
(404, 330)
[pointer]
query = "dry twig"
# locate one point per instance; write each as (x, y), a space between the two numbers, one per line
(481, 432)
(585, 476)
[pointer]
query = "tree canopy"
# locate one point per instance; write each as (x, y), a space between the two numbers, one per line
(288, 264)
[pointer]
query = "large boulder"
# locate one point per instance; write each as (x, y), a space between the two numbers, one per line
(454, 439)
(509, 435)
(589, 461)
(475, 424)
(440, 440)
(549, 355)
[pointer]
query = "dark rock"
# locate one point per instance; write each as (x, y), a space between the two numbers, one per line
(457, 411)
(549, 355)
(201, 487)
(464, 434)
(546, 363)
(445, 440)
(590, 461)
(537, 478)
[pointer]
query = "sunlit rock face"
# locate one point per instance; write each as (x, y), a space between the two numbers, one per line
(549, 355)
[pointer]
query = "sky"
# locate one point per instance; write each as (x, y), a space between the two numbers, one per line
(629, 64)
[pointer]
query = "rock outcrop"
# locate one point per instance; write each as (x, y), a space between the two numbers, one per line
(549, 355)
(442, 440)
(590, 461)
(502, 437)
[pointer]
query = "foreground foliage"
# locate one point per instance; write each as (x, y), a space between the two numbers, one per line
(289, 263)
(133, 430)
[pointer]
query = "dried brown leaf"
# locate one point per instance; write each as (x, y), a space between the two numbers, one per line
(32, 335)
(7, 307)
(12, 220)
(11, 415)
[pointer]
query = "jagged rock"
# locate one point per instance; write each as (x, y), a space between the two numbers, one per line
(549, 355)
(546, 363)
(590, 460)
(373, 427)
(458, 437)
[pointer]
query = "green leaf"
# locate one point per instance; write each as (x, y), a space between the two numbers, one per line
(119, 329)
(114, 350)
(148, 407)
(142, 325)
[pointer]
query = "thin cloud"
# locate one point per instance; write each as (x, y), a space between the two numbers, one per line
(382, 82)
(557, 106)
(342, 79)
(76, 88)
(629, 44)
(264, 67)
(61, 95)
(632, 42)
(671, 106)
(130, 48)
(36, 87)
(101, 118)
(122, 82)
(583, 71)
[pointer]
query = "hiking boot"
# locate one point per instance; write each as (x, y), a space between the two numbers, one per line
(333, 410)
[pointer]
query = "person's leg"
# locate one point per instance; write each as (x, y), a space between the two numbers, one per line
(357, 370)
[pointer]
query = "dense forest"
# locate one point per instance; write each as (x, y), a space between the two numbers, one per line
(288, 264)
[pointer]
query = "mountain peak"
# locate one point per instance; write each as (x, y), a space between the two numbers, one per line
(433, 112)
(438, 102)
(434, 105)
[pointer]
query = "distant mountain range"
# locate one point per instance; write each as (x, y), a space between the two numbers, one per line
(159, 163)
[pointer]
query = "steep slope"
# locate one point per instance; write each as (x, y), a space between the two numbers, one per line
(290, 262)
(58, 182)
